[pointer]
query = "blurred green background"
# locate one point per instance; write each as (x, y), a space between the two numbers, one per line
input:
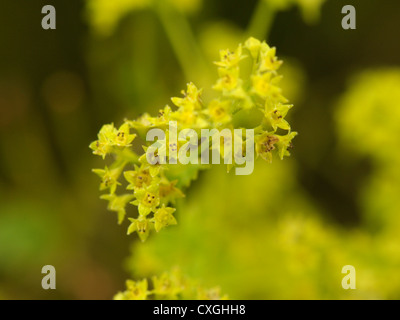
(283, 232)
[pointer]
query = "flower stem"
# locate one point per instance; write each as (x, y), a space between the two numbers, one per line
(261, 21)
(183, 42)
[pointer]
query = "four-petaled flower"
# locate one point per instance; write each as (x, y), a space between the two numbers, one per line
(147, 199)
(103, 145)
(265, 144)
(118, 204)
(219, 111)
(275, 116)
(285, 143)
(163, 217)
(109, 178)
(139, 178)
(141, 226)
(265, 85)
(230, 59)
(228, 79)
(191, 98)
(169, 192)
(136, 290)
(268, 60)
(123, 138)
(166, 286)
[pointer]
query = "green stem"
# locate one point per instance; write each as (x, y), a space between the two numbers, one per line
(261, 21)
(126, 156)
(183, 42)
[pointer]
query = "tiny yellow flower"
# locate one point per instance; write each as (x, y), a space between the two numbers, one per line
(163, 217)
(139, 178)
(109, 178)
(230, 59)
(136, 290)
(109, 137)
(275, 115)
(154, 169)
(262, 84)
(164, 116)
(269, 61)
(165, 286)
(107, 133)
(285, 143)
(141, 226)
(253, 45)
(100, 148)
(265, 86)
(147, 199)
(122, 137)
(211, 294)
(191, 98)
(185, 117)
(169, 192)
(228, 79)
(145, 121)
(265, 144)
(118, 204)
(103, 145)
(219, 111)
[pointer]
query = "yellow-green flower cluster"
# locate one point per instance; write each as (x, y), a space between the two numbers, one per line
(154, 188)
(260, 91)
(169, 286)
